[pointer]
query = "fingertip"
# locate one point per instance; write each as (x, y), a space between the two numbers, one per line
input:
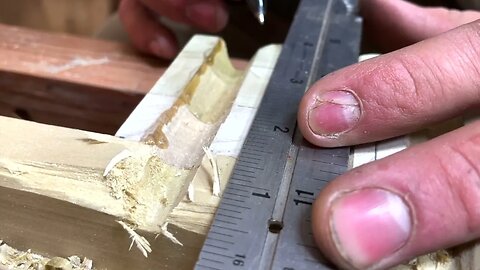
(210, 16)
(146, 33)
(321, 228)
(163, 47)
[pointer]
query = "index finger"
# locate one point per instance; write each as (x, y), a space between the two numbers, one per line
(396, 93)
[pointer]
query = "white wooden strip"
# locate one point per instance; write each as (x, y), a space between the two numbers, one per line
(392, 146)
(362, 154)
(232, 133)
(167, 89)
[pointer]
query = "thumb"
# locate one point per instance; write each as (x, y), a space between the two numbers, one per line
(417, 201)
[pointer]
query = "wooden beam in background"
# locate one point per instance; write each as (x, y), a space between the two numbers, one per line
(70, 81)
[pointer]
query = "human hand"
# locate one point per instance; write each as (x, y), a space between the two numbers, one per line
(424, 198)
(140, 19)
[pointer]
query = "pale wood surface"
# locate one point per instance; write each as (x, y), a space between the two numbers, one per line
(66, 167)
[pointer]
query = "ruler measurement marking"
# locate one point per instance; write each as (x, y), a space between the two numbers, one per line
(229, 229)
(229, 210)
(250, 167)
(244, 170)
(242, 175)
(215, 246)
(256, 124)
(235, 194)
(238, 206)
(259, 151)
(250, 162)
(237, 189)
(241, 180)
(231, 199)
(330, 172)
(257, 137)
(329, 163)
(332, 155)
(222, 234)
(254, 132)
(261, 145)
(322, 180)
(249, 186)
(224, 221)
(212, 260)
(215, 253)
(229, 216)
(263, 122)
(257, 159)
(252, 155)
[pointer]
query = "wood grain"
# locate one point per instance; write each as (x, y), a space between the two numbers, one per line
(71, 81)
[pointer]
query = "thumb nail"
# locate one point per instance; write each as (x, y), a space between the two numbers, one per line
(334, 112)
(369, 225)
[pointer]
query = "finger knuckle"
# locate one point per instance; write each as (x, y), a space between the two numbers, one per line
(405, 90)
(470, 52)
(461, 172)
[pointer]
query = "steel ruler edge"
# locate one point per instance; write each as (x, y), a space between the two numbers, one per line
(263, 219)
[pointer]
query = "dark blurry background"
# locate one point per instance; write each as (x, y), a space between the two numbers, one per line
(97, 18)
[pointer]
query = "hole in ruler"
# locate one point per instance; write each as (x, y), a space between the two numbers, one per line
(275, 226)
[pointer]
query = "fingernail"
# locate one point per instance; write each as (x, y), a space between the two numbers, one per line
(208, 16)
(163, 48)
(369, 225)
(333, 113)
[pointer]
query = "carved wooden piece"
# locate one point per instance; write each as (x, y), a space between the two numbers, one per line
(53, 177)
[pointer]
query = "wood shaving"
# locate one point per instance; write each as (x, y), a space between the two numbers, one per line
(142, 244)
(216, 173)
(13, 259)
(116, 159)
(191, 192)
(169, 235)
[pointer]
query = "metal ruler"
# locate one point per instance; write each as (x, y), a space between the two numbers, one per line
(263, 220)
